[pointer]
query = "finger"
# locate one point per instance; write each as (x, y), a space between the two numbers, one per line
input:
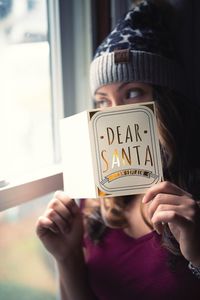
(44, 225)
(73, 207)
(163, 202)
(181, 204)
(159, 227)
(61, 209)
(63, 225)
(170, 217)
(165, 187)
(68, 202)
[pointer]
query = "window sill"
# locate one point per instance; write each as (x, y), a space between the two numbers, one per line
(29, 188)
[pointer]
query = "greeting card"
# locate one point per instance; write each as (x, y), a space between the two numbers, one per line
(111, 152)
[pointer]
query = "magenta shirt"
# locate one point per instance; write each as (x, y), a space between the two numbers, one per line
(123, 268)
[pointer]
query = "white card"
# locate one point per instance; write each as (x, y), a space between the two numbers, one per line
(111, 152)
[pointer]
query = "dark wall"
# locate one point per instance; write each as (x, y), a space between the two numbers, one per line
(186, 28)
(196, 48)
(101, 21)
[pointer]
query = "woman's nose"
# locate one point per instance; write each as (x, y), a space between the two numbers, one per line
(117, 101)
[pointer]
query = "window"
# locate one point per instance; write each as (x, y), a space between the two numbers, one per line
(28, 127)
(25, 115)
(31, 99)
(27, 270)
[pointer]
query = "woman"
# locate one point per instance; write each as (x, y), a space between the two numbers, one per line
(142, 246)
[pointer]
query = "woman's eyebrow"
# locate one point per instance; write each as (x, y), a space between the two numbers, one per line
(100, 93)
(122, 86)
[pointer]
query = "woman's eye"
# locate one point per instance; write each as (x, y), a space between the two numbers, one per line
(102, 103)
(134, 93)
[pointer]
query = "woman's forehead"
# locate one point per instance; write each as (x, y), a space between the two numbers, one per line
(123, 85)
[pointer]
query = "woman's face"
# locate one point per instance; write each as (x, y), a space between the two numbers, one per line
(122, 93)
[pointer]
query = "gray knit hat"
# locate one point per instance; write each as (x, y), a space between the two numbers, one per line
(138, 49)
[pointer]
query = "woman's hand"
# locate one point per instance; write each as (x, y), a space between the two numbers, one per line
(170, 204)
(60, 228)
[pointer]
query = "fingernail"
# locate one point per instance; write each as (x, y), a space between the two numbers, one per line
(54, 230)
(144, 199)
(73, 207)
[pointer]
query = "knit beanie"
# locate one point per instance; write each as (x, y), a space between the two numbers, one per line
(139, 49)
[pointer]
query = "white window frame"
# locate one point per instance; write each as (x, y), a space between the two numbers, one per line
(68, 18)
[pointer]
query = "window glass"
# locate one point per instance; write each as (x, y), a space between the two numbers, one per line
(25, 94)
(27, 270)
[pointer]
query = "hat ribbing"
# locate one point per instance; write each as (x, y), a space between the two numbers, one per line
(142, 67)
(151, 58)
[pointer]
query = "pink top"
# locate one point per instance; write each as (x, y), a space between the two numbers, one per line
(123, 268)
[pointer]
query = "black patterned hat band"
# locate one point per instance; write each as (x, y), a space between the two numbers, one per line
(138, 49)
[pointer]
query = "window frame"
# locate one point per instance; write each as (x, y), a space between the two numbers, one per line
(47, 180)
(65, 81)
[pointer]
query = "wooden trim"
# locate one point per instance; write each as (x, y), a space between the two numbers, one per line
(101, 21)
